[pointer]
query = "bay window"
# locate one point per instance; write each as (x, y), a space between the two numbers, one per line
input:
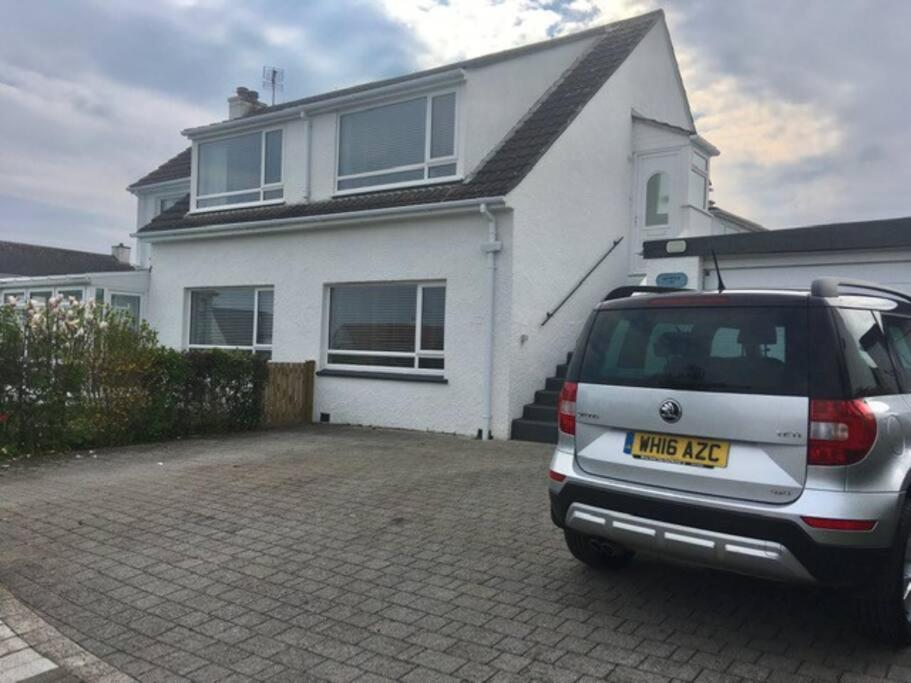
(232, 318)
(240, 171)
(388, 326)
(403, 143)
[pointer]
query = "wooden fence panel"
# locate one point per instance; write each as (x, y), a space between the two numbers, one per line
(289, 394)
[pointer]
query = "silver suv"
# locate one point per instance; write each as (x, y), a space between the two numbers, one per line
(761, 432)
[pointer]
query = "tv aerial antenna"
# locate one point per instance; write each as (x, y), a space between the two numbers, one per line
(274, 80)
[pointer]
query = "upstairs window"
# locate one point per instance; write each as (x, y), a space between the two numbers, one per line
(165, 203)
(240, 171)
(404, 143)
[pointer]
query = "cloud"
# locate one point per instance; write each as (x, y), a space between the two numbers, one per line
(94, 93)
(805, 100)
(450, 30)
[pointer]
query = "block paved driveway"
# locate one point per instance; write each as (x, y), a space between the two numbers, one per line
(355, 554)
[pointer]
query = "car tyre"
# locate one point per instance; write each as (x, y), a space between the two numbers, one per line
(597, 553)
(884, 608)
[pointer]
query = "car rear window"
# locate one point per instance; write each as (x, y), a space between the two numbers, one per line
(755, 350)
(868, 366)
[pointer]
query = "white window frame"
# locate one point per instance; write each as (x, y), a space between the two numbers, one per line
(159, 201)
(110, 293)
(263, 187)
(254, 347)
(705, 176)
(454, 158)
(418, 352)
(27, 292)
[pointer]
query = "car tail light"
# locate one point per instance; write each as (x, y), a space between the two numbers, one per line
(841, 432)
(840, 524)
(556, 476)
(566, 408)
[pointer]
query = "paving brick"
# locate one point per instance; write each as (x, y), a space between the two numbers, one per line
(244, 558)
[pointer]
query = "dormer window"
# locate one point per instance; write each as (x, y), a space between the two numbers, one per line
(240, 171)
(405, 143)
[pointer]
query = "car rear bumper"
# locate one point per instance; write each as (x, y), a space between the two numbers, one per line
(733, 553)
(750, 538)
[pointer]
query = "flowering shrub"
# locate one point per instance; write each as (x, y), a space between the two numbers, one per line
(76, 375)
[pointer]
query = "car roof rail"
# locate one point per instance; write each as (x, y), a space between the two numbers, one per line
(629, 290)
(831, 286)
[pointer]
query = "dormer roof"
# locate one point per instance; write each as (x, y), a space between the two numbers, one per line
(500, 172)
(175, 168)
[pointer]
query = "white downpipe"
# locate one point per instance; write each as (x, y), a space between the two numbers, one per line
(491, 247)
(309, 123)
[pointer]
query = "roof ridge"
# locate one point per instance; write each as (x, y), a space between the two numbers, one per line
(531, 110)
(586, 62)
(46, 247)
(470, 62)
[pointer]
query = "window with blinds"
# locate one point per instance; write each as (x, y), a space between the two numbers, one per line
(403, 143)
(387, 325)
(232, 317)
(240, 170)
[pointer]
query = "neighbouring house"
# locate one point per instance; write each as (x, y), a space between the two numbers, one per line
(31, 271)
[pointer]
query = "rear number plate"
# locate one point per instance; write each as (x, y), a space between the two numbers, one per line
(684, 450)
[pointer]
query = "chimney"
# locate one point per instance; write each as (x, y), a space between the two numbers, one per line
(244, 102)
(121, 253)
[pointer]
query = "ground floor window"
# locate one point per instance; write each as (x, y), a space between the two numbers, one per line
(129, 303)
(232, 318)
(389, 326)
(40, 295)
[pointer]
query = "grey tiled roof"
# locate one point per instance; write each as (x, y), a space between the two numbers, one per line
(174, 168)
(502, 170)
(32, 260)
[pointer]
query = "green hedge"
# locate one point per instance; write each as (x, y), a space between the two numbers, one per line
(76, 375)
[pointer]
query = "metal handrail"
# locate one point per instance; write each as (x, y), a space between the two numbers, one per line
(551, 314)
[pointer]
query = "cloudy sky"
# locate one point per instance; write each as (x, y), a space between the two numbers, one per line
(808, 100)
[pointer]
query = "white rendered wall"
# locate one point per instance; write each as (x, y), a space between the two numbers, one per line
(300, 265)
(496, 97)
(573, 205)
(492, 100)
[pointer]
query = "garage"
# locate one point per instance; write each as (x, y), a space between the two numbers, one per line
(877, 251)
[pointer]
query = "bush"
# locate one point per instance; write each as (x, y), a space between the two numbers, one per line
(78, 375)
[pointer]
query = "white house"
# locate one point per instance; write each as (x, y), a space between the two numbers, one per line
(434, 241)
